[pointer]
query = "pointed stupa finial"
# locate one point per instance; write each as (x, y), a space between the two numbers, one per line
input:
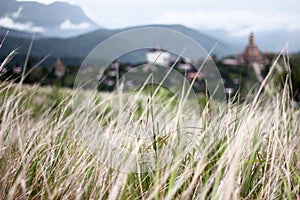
(251, 39)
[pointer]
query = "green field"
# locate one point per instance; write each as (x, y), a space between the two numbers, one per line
(246, 150)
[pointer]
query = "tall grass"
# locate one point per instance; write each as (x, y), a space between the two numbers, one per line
(241, 151)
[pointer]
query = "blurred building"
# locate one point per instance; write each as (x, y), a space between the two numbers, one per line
(158, 56)
(17, 69)
(59, 68)
(252, 55)
(182, 64)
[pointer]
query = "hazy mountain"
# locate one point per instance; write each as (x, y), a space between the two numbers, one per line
(75, 49)
(273, 40)
(56, 19)
(206, 41)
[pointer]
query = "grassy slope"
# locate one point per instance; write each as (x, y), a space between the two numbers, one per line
(248, 151)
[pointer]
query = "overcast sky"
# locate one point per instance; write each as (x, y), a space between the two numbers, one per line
(235, 16)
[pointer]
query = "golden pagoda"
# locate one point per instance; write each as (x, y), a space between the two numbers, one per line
(252, 53)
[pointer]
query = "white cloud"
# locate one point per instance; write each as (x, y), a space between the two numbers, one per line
(68, 25)
(28, 26)
(237, 23)
(16, 14)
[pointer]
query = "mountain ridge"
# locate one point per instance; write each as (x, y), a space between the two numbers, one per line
(57, 19)
(80, 46)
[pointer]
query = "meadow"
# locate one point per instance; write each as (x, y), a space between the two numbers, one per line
(241, 149)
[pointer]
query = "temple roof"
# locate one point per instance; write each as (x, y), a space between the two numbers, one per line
(252, 53)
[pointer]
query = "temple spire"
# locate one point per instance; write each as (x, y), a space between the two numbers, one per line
(251, 38)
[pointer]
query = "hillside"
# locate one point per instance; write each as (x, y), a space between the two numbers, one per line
(75, 49)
